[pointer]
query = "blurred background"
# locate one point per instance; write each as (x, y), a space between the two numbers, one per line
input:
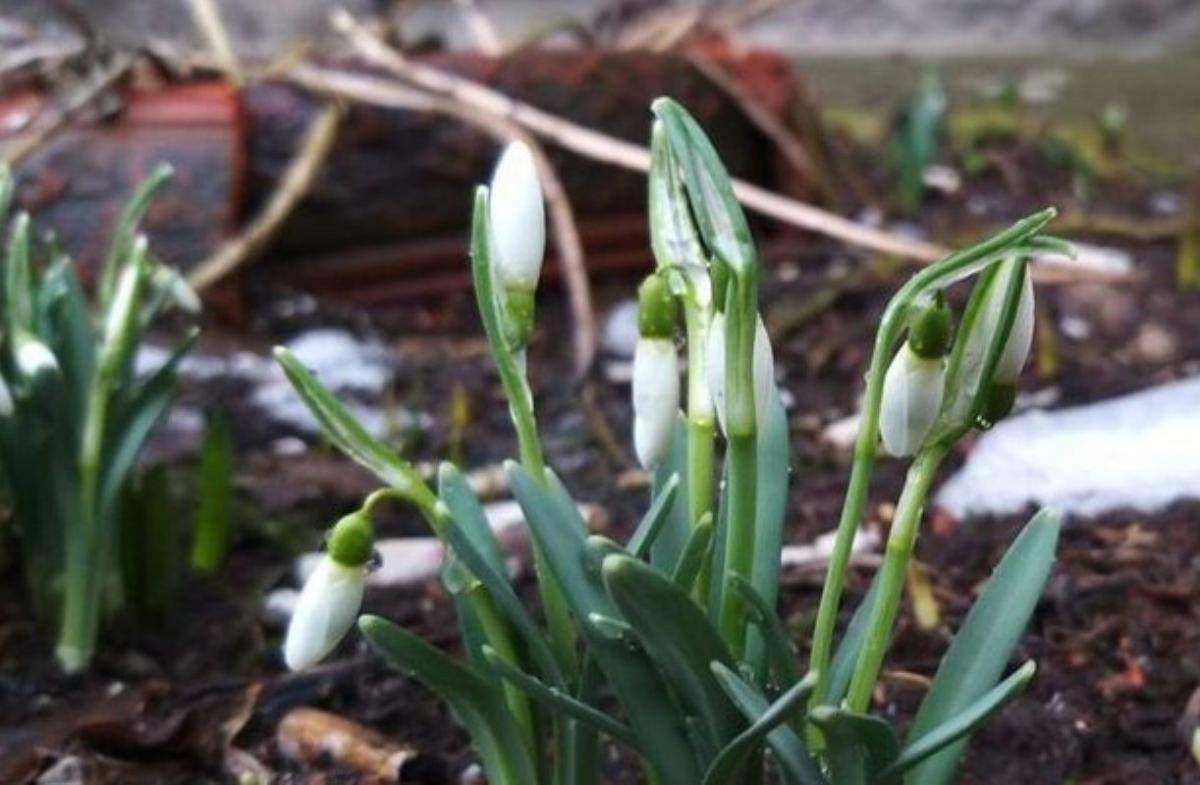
(324, 157)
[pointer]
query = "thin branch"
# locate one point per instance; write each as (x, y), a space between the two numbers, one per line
(502, 128)
(479, 26)
(600, 146)
(297, 181)
(208, 20)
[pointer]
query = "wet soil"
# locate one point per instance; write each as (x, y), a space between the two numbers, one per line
(1116, 637)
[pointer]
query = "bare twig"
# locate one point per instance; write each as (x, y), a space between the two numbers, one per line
(208, 20)
(600, 146)
(480, 27)
(562, 218)
(296, 182)
(54, 118)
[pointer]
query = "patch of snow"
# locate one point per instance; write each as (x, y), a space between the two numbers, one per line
(1134, 452)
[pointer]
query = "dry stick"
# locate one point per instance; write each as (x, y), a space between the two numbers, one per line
(297, 180)
(562, 218)
(208, 20)
(54, 119)
(480, 27)
(602, 147)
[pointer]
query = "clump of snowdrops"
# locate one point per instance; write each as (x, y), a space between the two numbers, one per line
(74, 411)
(668, 644)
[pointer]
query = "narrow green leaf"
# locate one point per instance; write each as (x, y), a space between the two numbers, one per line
(345, 432)
(557, 699)
(557, 529)
(694, 555)
(774, 461)
(858, 747)
(478, 704)
(652, 523)
(123, 236)
(963, 723)
(794, 761)
(719, 217)
(780, 655)
(679, 638)
(19, 285)
(673, 532)
(731, 759)
(844, 659)
(214, 518)
(985, 641)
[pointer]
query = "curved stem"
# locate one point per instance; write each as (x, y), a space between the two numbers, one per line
(903, 535)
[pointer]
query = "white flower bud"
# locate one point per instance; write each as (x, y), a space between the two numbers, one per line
(655, 398)
(912, 399)
(1020, 339)
(763, 368)
(517, 218)
(6, 401)
(34, 357)
(327, 607)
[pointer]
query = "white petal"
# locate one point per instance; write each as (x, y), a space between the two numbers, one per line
(764, 371)
(655, 397)
(912, 399)
(517, 218)
(34, 357)
(6, 401)
(1020, 339)
(715, 366)
(327, 607)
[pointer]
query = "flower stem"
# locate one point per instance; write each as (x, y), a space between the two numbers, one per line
(700, 430)
(742, 455)
(891, 575)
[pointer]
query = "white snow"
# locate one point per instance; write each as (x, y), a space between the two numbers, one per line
(1138, 452)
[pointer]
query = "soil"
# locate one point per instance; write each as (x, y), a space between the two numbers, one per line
(1116, 637)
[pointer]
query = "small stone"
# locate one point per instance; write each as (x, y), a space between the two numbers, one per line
(1154, 343)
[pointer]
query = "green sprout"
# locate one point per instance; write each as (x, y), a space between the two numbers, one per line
(79, 412)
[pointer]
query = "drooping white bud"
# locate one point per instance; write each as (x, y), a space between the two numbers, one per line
(1020, 339)
(655, 398)
(517, 218)
(327, 607)
(912, 399)
(6, 401)
(34, 357)
(763, 368)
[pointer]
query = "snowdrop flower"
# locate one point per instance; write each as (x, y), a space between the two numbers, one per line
(331, 597)
(34, 358)
(915, 381)
(6, 401)
(1020, 338)
(655, 372)
(517, 219)
(763, 368)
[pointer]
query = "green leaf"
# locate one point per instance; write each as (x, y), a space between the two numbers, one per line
(69, 333)
(557, 529)
(149, 548)
(345, 432)
(558, 699)
(679, 638)
(985, 641)
(694, 555)
(469, 517)
(731, 759)
(478, 704)
(718, 215)
(794, 761)
(123, 236)
(844, 659)
(673, 534)
(19, 285)
(963, 723)
(858, 747)
(774, 460)
(779, 653)
(214, 517)
(652, 523)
